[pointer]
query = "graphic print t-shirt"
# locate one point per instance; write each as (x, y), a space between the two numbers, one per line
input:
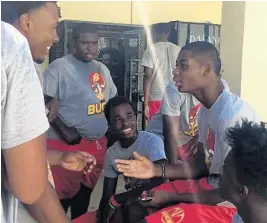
(146, 144)
(214, 122)
(175, 103)
(83, 89)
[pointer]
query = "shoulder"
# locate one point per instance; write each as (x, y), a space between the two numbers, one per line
(148, 137)
(174, 46)
(236, 110)
(171, 90)
(60, 61)
(12, 43)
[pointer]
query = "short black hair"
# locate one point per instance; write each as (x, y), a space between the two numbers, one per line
(12, 10)
(114, 102)
(249, 155)
(206, 48)
(83, 28)
(161, 28)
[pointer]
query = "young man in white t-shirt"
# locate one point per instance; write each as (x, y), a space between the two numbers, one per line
(122, 123)
(159, 62)
(197, 72)
(22, 105)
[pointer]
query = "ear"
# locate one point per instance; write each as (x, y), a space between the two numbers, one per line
(243, 191)
(24, 22)
(208, 69)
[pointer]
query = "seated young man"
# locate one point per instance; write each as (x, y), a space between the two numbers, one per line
(122, 122)
(198, 73)
(243, 180)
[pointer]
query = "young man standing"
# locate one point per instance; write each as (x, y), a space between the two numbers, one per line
(243, 180)
(159, 62)
(26, 18)
(197, 72)
(83, 86)
(122, 122)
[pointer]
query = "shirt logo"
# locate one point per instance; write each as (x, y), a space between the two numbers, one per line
(98, 85)
(175, 215)
(193, 127)
(209, 151)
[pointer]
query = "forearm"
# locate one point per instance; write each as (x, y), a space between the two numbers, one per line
(123, 197)
(191, 169)
(54, 157)
(48, 208)
(211, 197)
(170, 145)
(147, 86)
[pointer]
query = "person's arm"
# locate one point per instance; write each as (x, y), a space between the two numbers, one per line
(211, 197)
(113, 89)
(109, 189)
(143, 168)
(171, 126)
(148, 64)
(147, 84)
(171, 110)
(48, 208)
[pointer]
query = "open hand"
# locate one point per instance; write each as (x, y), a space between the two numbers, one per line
(78, 161)
(140, 167)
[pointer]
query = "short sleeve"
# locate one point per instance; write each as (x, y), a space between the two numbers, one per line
(147, 59)
(172, 102)
(110, 84)
(156, 148)
(201, 125)
(108, 166)
(23, 114)
(51, 80)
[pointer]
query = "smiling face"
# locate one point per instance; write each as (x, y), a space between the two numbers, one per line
(123, 121)
(40, 28)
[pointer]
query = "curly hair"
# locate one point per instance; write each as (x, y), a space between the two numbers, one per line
(114, 102)
(249, 154)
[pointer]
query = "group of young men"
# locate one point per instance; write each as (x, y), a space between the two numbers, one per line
(195, 119)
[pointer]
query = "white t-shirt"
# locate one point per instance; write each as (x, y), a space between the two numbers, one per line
(174, 103)
(146, 144)
(22, 102)
(214, 122)
(161, 57)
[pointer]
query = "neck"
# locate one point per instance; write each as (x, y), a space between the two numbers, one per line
(210, 94)
(254, 213)
(125, 143)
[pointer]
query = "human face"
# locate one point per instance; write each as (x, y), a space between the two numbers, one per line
(86, 46)
(123, 121)
(189, 73)
(40, 28)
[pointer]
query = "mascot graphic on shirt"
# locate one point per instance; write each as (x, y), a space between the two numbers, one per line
(98, 85)
(174, 215)
(193, 128)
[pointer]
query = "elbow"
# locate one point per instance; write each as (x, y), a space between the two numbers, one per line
(31, 193)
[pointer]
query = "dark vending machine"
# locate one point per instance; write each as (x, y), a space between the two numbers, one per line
(186, 32)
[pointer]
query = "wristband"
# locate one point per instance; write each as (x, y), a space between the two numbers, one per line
(163, 174)
(113, 203)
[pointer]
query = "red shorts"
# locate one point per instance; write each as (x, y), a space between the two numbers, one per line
(67, 182)
(154, 107)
